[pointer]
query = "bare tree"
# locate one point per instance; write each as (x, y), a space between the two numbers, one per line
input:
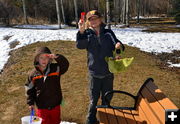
(138, 9)
(76, 13)
(108, 13)
(58, 14)
(24, 10)
(86, 5)
(124, 11)
(62, 7)
(116, 11)
(98, 5)
(127, 13)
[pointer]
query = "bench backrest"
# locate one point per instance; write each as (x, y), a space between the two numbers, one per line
(152, 102)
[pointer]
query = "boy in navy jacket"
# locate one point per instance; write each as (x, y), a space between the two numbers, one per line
(99, 43)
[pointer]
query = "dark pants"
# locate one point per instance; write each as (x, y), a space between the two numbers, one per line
(98, 86)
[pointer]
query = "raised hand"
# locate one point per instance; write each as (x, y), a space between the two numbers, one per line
(81, 25)
(51, 56)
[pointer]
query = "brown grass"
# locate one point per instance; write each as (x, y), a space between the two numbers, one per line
(157, 25)
(74, 82)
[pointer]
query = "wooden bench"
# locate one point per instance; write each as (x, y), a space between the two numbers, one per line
(149, 107)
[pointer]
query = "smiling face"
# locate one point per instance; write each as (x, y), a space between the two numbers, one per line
(95, 22)
(43, 60)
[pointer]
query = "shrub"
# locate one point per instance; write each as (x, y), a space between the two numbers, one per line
(177, 18)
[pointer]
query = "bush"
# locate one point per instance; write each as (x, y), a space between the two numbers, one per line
(177, 18)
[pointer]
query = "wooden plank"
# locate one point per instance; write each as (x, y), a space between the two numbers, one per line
(137, 118)
(102, 115)
(111, 116)
(143, 116)
(149, 114)
(120, 116)
(154, 105)
(129, 117)
(159, 95)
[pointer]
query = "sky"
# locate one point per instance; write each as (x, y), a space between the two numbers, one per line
(148, 42)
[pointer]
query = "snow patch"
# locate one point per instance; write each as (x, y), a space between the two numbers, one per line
(149, 42)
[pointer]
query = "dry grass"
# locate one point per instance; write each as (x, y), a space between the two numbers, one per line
(157, 25)
(74, 82)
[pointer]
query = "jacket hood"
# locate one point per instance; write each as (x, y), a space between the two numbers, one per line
(41, 50)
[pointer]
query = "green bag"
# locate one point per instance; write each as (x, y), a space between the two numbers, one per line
(118, 65)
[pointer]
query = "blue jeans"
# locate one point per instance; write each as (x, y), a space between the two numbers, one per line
(98, 86)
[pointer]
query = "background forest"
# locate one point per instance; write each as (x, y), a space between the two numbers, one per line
(45, 11)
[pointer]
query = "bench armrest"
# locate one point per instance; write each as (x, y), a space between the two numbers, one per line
(107, 102)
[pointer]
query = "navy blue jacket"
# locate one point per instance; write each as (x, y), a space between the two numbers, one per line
(98, 47)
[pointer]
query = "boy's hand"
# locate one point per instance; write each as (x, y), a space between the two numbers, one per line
(81, 25)
(118, 45)
(51, 56)
(118, 57)
(31, 107)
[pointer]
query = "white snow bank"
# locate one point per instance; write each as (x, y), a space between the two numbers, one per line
(149, 42)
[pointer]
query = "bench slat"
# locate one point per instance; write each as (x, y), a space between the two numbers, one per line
(129, 118)
(154, 105)
(145, 108)
(159, 95)
(120, 116)
(111, 116)
(137, 118)
(143, 116)
(102, 115)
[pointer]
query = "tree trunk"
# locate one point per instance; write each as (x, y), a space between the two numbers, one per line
(98, 5)
(120, 11)
(127, 12)
(108, 14)
(138, 10)
(24, 10)
(86, 5)
(76, 13)
(62, 7)
(116, 9)
(124, 11)
(36, 10)
(58, 14)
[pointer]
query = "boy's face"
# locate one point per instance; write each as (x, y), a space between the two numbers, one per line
(43, 60)
(95, 22)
